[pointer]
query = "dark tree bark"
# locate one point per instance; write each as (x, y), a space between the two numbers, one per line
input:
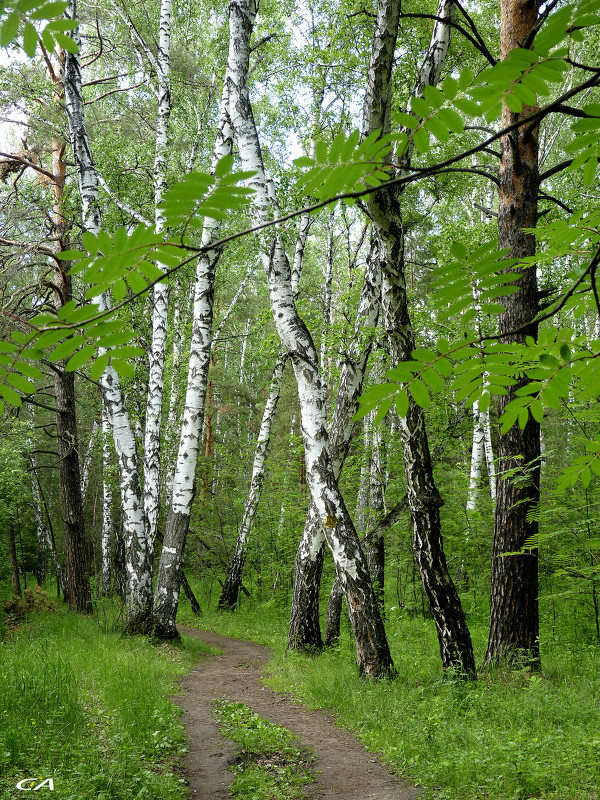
(305, 628)
(76, 552)
(334, 614)
(14, 564)
(514, 615)
(190, 594)
(384, 208)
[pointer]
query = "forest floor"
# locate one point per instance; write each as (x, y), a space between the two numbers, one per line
(343, 769)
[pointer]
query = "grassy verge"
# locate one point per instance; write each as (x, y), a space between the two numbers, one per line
(508, 736)
(269, 766)
(91, 711)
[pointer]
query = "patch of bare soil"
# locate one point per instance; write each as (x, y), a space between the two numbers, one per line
(343, 769)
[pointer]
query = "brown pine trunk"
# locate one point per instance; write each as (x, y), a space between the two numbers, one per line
(514, 616)
(76, 553)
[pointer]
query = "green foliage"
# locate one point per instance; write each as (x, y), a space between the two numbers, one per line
(21, 19)
(509, 735)
(90, 710)
(270, 766)
(123, 264)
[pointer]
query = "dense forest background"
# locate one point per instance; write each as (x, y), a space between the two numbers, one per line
(167, 438)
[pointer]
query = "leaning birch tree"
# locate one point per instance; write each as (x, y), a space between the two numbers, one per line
(373, 655)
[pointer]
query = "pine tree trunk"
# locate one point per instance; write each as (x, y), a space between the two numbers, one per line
(384, 209)
(137, 555)
(76, 555)
(514, 613)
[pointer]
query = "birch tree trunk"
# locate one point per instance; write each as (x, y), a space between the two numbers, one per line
(233, 580)
(373, 655)
(384, 209)
(305, 631)
(514, 612)
(138, 565)
(106, 509)
(477, 456)
(160, 294)
(87, 462)
(166, 595)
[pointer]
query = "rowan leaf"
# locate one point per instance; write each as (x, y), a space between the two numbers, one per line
(420, 393)
(80, 358)
(9, 29)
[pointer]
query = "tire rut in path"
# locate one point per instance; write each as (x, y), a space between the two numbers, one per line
(343, 769)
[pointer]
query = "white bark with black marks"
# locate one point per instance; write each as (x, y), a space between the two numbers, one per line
(166, 595)
(138, 568)
(160, 292)
(384, 209)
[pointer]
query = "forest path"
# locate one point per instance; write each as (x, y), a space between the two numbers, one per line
(343, 769)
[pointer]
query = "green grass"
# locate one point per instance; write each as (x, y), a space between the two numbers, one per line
(270, 766)
(508, 736)
(91, 710)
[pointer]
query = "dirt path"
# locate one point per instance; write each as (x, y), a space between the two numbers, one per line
(344, 769)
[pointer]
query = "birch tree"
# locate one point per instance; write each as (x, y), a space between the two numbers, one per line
(385, 211)
(373, 654)
(166, 595)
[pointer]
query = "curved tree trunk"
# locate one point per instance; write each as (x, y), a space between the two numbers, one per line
(373, 655)
(305, 630)
(514, 613)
